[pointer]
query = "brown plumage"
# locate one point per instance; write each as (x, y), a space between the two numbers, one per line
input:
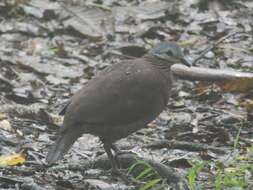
(119, 101)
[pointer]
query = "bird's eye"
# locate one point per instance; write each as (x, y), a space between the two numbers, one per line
(169, 53)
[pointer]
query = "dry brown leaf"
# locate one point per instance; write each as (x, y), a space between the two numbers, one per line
(248, 104)
(237, 85)
(203, 88)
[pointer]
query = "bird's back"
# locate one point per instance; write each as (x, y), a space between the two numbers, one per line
(122, 99)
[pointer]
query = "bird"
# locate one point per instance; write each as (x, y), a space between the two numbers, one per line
(119, 101)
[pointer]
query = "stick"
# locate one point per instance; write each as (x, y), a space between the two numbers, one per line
(214, 45)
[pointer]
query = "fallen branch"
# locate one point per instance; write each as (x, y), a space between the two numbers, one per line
(206, 74)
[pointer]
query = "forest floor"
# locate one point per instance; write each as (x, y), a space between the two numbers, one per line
(50, 49)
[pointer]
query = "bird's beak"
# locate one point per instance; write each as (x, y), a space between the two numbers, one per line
(186, 62)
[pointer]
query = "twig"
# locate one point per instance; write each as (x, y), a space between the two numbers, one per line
(214, 45)
(6, 81)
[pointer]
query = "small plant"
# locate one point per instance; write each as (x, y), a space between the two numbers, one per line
(237, 175)
(147, 174)
(193, 174)
(230, 177)
(237, 137)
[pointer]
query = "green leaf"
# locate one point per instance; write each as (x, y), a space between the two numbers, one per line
(237, 137)
(144, 173)
(150, 184)
(218, 180)
(193, 174)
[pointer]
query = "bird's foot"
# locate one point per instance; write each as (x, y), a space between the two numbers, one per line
(115, 169)
(119, 153)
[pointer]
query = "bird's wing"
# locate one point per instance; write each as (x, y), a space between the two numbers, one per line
(123, 94)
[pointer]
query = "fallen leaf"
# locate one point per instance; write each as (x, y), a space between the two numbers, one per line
(4, 123)
(237, 85)
(12, 160)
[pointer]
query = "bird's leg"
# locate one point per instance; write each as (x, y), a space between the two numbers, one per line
(115, 169)
(116, 149)
(108, 151)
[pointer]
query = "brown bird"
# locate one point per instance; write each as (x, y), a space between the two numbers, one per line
(122, 99)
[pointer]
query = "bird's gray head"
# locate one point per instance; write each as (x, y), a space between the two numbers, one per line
(170, 52)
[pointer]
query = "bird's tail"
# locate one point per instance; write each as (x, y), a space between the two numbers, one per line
(61, 146)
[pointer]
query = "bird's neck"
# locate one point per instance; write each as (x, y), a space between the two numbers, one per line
(163, 69)
(162, 65)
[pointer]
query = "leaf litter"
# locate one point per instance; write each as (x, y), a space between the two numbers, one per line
(49, 49)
